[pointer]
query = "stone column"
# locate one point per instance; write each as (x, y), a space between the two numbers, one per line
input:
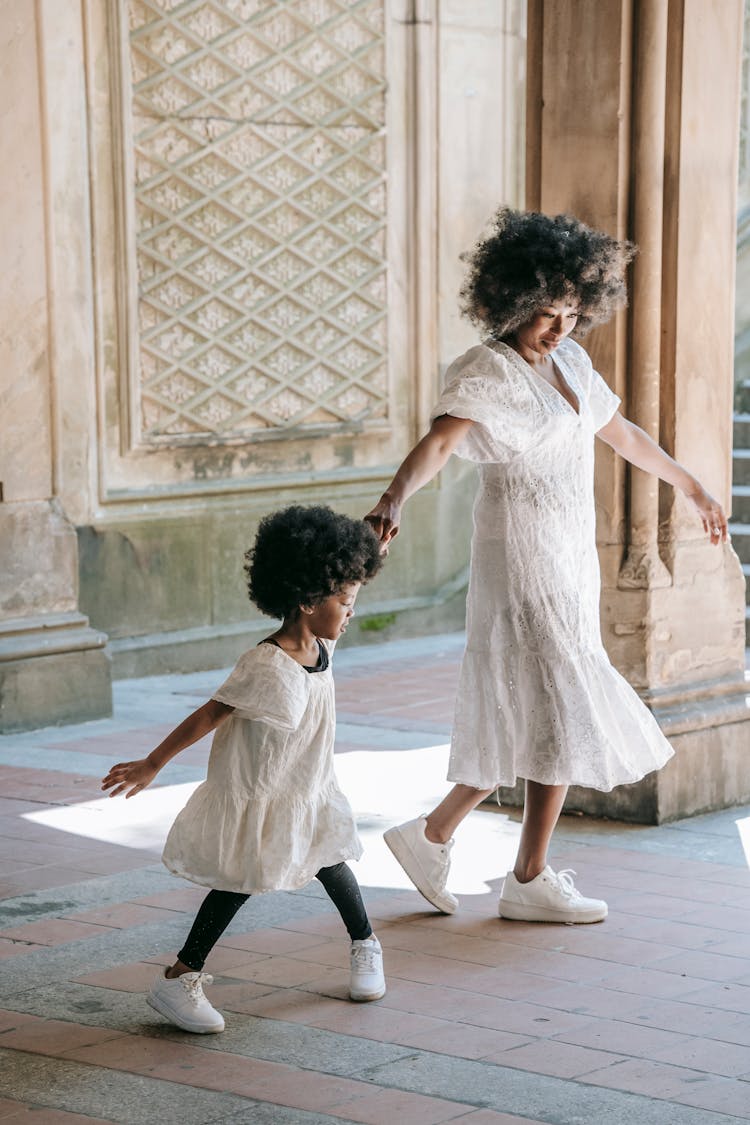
(633, 112)
(53, 666)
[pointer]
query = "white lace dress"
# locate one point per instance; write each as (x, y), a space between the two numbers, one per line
(538, 697)
(270, 813)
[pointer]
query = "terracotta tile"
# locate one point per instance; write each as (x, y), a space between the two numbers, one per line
(462, 1041)
(271, 941)
(137, 977)
(642, 1076)
(290, 1004)
(622, 1038)
(728, 997)
(13, 948)
(220, 959)
(378, 1106)
(184, 900)
(281, 972)
(171, 1061)
(233, 996)
(53, 931)
(704, 966)
(561, 1060)
(121, 915)
(650, 983)
(729, 1059)
(716, 1095)
(11, 1020)
(54, 1037)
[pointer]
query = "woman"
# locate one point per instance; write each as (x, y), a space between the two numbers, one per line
(537, 696)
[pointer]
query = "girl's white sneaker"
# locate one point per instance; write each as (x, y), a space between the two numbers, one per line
(366, 981)
(181, 1000)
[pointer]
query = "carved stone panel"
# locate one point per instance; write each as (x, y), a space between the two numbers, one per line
(258, 164)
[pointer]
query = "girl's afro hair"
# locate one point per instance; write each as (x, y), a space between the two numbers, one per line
(302, 556)
(528, 260)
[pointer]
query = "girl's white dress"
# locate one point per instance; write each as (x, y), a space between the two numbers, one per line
(270, 813)
(538, 697)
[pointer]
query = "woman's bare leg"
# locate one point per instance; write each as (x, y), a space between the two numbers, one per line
(443, 821)
(541, 813)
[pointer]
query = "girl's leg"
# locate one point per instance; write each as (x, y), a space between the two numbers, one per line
(541, 813)
(178, 993)
(216, 912)
(366, 980)
(343, 890)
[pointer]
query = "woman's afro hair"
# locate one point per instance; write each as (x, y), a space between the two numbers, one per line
(302, 556)
(528, 260)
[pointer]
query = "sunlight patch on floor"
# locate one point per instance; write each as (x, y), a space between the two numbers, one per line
(384, 787)
(743, 827)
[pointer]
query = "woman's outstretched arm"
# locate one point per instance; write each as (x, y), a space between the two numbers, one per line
(424, 462)
(632, 443)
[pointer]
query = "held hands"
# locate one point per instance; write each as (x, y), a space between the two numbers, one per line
(384, 519)
(711, 513)
(137, 775)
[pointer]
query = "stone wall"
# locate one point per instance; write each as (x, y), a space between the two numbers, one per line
(235, 229)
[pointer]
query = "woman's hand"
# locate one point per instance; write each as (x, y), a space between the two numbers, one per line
(711, 513)
(385, 519)
(137, 775)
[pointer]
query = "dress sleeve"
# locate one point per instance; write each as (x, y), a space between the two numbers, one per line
(266, 685)
(601, 400)
(478, 388)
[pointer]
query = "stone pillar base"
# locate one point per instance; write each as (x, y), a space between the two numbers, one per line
(708, 725)
(53, 669)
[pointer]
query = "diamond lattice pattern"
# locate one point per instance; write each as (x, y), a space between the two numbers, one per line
(259, 133)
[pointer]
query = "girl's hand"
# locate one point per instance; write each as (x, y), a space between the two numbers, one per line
(385, 518)
(711, 513)
(137, 775)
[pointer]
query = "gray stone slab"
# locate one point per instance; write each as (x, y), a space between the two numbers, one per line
(309, 1048)
(128, 1099)
(555, 1100)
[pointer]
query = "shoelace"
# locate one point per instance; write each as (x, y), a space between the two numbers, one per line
(566, 884)
(194, 986)
(364, 957)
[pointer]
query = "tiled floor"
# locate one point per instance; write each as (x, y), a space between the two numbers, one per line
(643, 1019)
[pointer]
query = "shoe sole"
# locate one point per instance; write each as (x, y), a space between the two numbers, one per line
(183, 1024)
(403, 853)
(517, 912)
(369, 997)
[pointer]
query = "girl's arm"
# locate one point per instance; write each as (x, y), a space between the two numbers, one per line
(424, 462)
(637, 447)
(141, 773)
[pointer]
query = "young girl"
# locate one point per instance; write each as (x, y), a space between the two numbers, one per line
(270, 815)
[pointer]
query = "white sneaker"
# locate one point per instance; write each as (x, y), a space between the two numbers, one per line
(181, 1001)
(366, 981)
(426, 864)
(550, 897)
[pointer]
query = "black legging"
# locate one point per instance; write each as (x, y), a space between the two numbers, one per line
(219, 908)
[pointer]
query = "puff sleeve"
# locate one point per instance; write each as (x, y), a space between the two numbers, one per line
(480, 387)
(268, 686)
(602, 402)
